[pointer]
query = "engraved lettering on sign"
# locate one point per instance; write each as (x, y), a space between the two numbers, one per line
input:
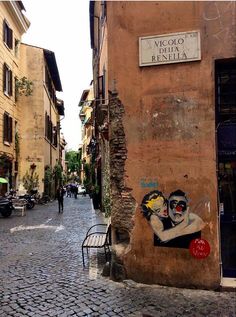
(169, 48)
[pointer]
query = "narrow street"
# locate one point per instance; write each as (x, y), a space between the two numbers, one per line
(41, 273)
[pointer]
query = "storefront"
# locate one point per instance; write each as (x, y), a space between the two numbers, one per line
(6, 172)
(226, 137)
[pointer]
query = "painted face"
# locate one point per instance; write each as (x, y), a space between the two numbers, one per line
(177, 208)
(158, 205)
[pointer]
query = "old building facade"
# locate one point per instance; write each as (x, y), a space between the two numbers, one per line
(87, 120)
(13, 25)
(164, 74)
(40, 121)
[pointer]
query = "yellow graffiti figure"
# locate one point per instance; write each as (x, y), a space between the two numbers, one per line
(156, 203)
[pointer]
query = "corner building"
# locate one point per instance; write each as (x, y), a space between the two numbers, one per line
(169, 75)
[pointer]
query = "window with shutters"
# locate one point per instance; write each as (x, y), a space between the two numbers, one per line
(7, 35)
(101, 89)
(49, 85)
(7, 128)
(7, 80)
(225, 92)
(16, 89)
(16, 47)
(55, 136)
(50, 130)
(47, 126)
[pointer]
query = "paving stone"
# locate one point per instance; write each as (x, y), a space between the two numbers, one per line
(41, 274)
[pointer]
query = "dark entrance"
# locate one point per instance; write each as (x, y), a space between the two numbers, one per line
(226, 140)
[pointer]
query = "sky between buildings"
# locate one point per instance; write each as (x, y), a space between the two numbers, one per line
(63, 27)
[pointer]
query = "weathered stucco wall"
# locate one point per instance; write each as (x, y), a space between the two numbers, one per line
(167, 136)
(11, 59)
(34, 147)
(32, 132)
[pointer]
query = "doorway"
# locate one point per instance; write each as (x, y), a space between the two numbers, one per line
(226, 153)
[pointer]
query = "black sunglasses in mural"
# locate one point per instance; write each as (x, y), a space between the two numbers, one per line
(178, 205)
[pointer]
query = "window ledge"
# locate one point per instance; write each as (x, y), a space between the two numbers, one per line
(6, 143)
(9, 49)
(6, 94)
(51, 144)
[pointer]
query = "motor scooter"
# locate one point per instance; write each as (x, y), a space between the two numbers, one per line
(30, 201)
(6, 207)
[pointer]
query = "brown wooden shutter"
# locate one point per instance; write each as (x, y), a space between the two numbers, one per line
(55, 136)
(5, 117)
(3, 31)
(10, 83)
(10, 38)
(100, 85)
(46, 127)
(48, 136)
(4, 77)
(10, 130)
(51, 132)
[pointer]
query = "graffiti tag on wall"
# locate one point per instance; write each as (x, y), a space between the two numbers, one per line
(144, 183)
(171, 220)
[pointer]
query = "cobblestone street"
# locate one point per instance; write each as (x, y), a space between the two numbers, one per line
(41, 273)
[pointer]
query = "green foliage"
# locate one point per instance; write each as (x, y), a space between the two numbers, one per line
(48, 180)
(24, 87)
(48, 175)
(74, 161)
(89, 179)
(58, 172)
(17, 145)
(106, 190)
(30, 180)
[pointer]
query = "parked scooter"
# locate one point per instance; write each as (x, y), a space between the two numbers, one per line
(30, 201)
(6, 207)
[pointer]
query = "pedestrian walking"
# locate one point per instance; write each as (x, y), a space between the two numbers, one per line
(76, 191)
(68, 190)
(60, 198)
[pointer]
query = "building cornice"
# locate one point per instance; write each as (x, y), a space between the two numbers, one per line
(19, 18)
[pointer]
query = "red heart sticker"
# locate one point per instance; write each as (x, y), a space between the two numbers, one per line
(199, 248)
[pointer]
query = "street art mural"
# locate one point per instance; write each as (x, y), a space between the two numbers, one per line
(144, 183)
(173, 223)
